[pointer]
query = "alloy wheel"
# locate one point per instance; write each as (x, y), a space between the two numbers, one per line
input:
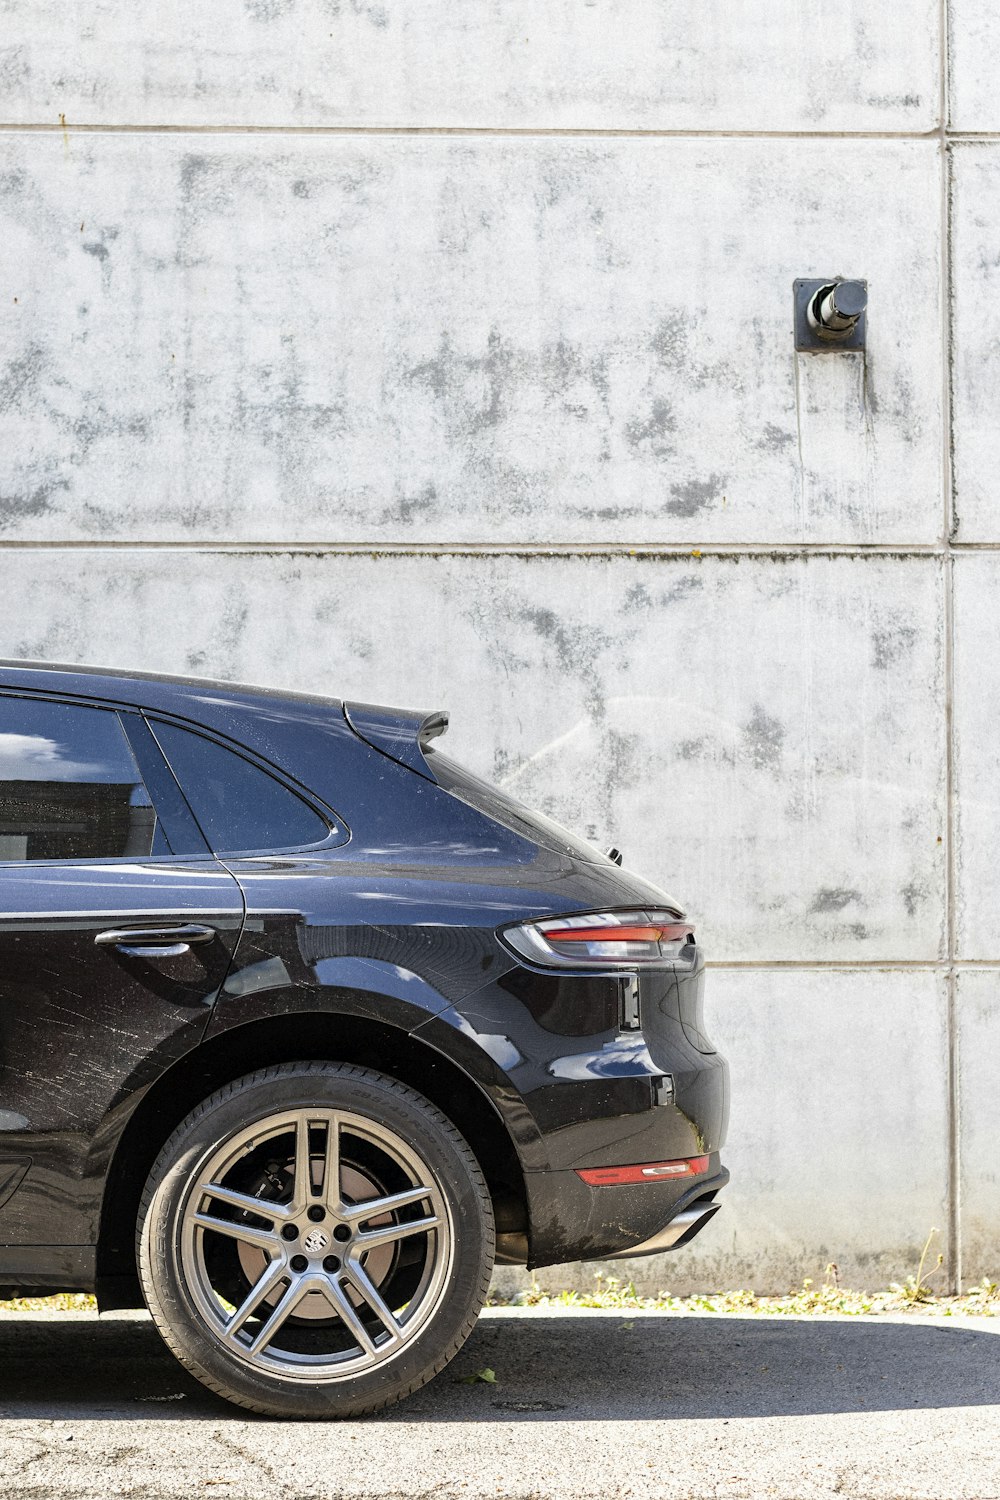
(315, 1243)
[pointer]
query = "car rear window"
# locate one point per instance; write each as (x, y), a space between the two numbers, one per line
(240, 808)
(504, 809)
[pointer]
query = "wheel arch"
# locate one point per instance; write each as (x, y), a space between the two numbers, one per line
(309, 1037)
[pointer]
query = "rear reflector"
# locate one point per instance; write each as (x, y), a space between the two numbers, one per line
(650, 1171)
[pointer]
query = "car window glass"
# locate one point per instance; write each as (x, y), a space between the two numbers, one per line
(503, 808)
(241, 809)
(69, 785)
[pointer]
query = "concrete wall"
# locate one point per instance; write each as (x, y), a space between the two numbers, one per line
(443, 354)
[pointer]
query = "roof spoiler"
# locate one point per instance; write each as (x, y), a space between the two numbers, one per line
(400, 733)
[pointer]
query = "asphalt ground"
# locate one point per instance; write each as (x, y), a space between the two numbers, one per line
(592, 1404)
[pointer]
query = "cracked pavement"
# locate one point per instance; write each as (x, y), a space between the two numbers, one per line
(591, 1404)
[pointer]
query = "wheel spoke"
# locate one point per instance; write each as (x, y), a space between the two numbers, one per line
(371, 1207)
(349, 1314)
(363, 1284)
(262, 1206)
(289, 1302)
(302, 1182)
(266, 1239)
(370, 1237)
(266, 1283)
(331, 1165)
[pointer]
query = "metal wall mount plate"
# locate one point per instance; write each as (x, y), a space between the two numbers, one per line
(812, 340)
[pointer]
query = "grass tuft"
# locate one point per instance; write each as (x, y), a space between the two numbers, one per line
(830, 1297)
(63, 1302)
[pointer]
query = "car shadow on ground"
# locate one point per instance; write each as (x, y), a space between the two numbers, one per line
(547, 1367)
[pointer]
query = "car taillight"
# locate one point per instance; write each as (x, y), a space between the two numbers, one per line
(607, 939)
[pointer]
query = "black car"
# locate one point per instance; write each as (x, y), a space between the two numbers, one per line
(303, 1027)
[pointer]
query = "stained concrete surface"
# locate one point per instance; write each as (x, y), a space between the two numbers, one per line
(974, 42)
(521, 340)
(831, 1132)
(978, 1012)
(584, 1405)
(976, 756)
(976, 323)
(599, 64)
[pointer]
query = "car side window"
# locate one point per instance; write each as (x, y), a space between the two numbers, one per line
(240, 808)
(70, 787)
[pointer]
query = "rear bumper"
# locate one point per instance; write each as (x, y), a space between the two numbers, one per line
(571, 1221)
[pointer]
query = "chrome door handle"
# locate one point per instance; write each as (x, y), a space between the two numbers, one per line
(153, 942)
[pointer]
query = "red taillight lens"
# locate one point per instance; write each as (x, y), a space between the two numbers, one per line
(627, 939)
(670, 931)
(650, 1171)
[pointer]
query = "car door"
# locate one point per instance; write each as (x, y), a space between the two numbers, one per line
(112, 949)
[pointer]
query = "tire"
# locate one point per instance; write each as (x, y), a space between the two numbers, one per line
(328, 1290)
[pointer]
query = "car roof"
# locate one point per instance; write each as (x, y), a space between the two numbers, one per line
(149, 689)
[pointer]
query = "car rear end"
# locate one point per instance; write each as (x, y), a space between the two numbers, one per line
(637, 1165)
(621, 1077)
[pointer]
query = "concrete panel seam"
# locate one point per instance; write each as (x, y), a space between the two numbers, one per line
(954, 1139)
(947, 42)
(899, 551)
(887, 965)
(68, 127)
(949, 530)
(952, 518)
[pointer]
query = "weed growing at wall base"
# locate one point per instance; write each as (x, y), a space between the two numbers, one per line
(913, 1294)
(62, 1302)
(610, 1293)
